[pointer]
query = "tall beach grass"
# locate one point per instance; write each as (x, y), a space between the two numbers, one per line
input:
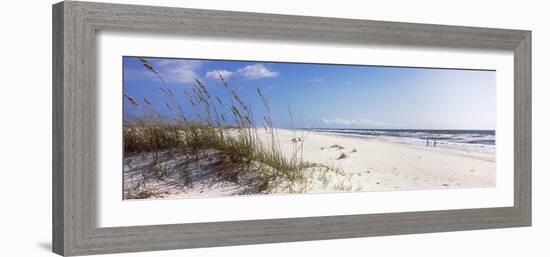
(220, 124)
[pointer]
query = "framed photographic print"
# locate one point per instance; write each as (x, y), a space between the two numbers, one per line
(182, 128)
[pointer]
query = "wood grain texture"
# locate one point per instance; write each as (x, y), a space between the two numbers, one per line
(58, 229)
(522, 128)
(75, 25)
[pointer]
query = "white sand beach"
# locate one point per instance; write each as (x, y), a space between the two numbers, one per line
(357, 164)
(378, 165)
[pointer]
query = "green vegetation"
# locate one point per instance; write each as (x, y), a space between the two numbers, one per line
(236, 145)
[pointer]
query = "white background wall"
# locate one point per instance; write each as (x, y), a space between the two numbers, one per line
(25, 127)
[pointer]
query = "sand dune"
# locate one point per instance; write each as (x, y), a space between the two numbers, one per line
(362, 164)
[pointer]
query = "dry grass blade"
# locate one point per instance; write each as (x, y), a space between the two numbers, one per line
(240, 151)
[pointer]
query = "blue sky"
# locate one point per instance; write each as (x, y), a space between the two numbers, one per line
(330, 96)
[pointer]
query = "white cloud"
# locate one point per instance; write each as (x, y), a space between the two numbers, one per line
(171, 71)
(215, 74)
(316, 80)
(254, 71)
(357, 122)
(177, 71)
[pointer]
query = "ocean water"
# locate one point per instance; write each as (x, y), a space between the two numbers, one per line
(471, 139)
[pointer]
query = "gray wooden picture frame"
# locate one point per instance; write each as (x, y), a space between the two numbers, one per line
(75, 25)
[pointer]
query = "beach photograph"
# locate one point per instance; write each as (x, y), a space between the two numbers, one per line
(219, 128)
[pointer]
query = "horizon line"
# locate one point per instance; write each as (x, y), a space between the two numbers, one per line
(403, 128)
